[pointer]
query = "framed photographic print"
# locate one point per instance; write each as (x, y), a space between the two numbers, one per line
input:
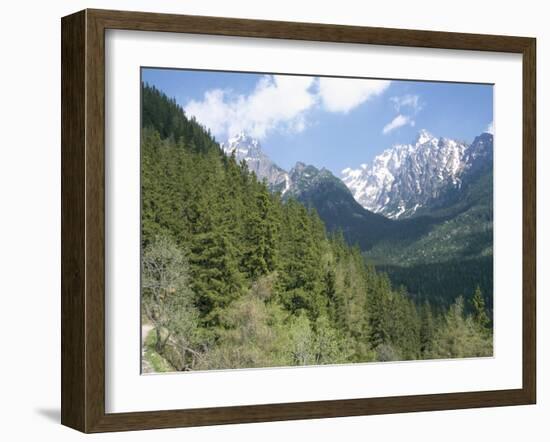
(267, 220)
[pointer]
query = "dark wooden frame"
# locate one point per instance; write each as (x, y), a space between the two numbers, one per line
(83, 216)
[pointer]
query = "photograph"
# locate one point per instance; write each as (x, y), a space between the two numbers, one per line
(303, 220)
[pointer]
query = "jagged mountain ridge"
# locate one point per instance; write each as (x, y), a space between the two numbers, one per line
(299, 179)
(404, 181)
(304, 178)
(313, 187)
(406, 178)
(449, 181)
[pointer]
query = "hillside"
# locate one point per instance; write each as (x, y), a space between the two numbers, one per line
(336, 206)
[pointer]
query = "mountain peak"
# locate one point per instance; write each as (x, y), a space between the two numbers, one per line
(407, 177)
(485, 136)
(423, 137)
(249, 149)
(301, 167)
(242, 138)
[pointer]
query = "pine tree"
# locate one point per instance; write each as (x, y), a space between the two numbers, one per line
(427, 329)
(260, 256)
(334, 302)
(480, 314)
(214, 258)
(300, 284)
(378, 313)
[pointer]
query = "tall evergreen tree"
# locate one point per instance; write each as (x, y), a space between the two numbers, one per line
(480, 314)
(260, 235)
(427, 329)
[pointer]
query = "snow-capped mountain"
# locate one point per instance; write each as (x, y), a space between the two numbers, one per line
(406, 177)
(249, 149)
(399, 182)
(300, 179)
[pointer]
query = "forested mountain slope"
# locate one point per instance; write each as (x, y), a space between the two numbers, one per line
(332, 200)
(457, 245)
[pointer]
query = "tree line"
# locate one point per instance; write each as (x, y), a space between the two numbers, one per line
(234, 277)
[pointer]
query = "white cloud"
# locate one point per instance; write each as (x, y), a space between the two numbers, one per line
(491, 128)
(277, 102)
(407, 101)
(400, 120)
(342, 95)
(212, 111)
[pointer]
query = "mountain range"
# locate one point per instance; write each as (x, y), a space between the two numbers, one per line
(405, 181)
(318, 188)
(408, 177)
(421, 207)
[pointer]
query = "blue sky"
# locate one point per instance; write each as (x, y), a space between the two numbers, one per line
(328, 122)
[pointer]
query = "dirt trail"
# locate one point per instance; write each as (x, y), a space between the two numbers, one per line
(145, 329)
(145, 365)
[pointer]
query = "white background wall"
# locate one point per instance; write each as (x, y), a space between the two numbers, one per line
(30, 217)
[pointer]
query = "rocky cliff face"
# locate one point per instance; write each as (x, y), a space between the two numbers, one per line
(408, 177)
(249, 149)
